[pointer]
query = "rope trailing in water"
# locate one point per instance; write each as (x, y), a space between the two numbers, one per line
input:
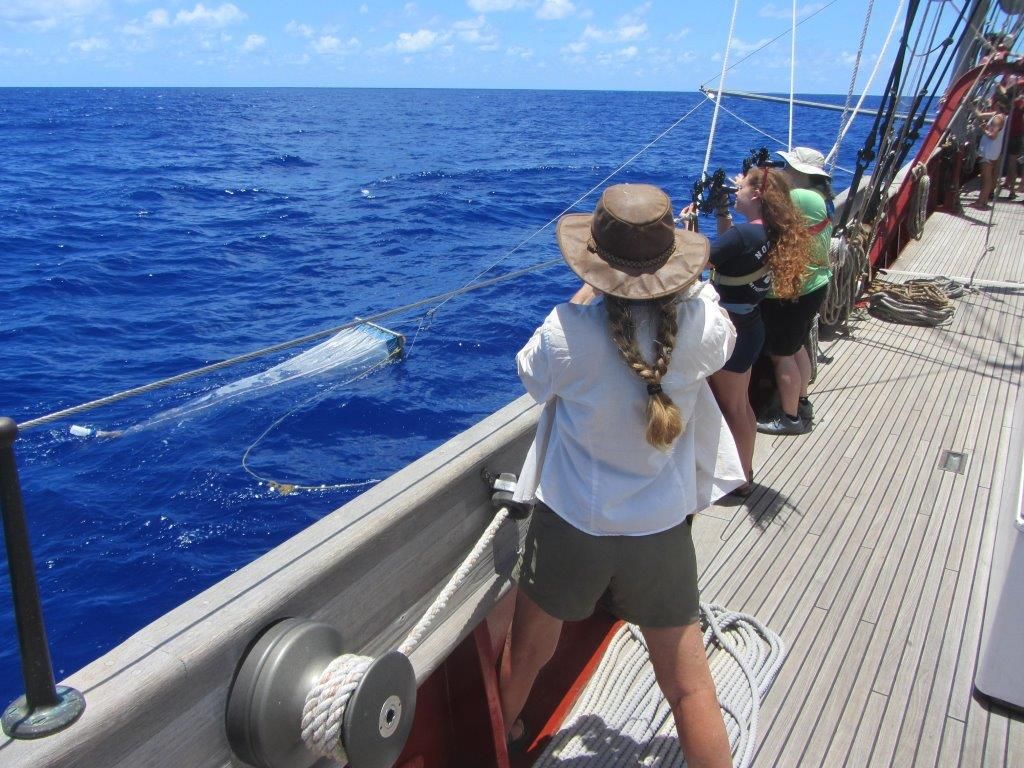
(325, 706)
(622, 713)
(925, 301)
(919, 201)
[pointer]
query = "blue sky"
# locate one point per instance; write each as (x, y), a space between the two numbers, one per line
(452, 43)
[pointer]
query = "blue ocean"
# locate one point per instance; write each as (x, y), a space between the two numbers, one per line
(148, 232)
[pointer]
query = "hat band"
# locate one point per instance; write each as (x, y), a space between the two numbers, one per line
(654, 262)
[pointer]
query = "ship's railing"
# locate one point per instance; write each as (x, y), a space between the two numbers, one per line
(46, 707)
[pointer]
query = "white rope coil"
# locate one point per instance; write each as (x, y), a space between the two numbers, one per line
(326, 702)
(919, 202)
(848, 260)
(621, 717)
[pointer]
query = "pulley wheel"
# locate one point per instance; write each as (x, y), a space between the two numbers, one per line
(265, 704)
(380, 713)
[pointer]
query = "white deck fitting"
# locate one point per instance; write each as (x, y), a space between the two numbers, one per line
(870, 561)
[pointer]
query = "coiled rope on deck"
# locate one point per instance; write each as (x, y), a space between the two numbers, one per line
(326, 702)
(623, 697)
(925, 301)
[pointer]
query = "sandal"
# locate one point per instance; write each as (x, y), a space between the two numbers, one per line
(518, 744)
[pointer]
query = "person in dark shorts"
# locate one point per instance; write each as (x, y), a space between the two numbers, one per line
(623, 454)
(788, 323)
(769, 248)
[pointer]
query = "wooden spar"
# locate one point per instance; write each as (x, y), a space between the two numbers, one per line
(799, 102)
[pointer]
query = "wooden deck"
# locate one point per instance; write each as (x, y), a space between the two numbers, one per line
(870, 560)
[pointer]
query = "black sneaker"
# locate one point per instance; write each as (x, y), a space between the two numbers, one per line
(805, 410)
(783, 425)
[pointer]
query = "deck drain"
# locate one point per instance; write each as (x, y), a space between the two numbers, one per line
(951, 461)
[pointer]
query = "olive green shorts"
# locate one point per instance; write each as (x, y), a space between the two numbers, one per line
(647, 580)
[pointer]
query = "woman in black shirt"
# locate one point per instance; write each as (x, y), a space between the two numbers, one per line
(770, 248)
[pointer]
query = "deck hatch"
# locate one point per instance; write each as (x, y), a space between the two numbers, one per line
(951, 461)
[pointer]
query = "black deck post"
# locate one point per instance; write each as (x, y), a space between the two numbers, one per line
(45, 708)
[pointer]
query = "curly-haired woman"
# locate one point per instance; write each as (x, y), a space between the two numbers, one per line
(767, 251)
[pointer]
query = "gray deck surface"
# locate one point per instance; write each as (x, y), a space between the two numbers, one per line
(870, 561)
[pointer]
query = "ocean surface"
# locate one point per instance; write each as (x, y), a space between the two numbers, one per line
(148, 232)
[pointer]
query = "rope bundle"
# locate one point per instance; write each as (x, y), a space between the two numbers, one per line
(849, 261)
(916, 302)
(919, 202)
(621, 717)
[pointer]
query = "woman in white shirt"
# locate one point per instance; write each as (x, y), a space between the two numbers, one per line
(629, 445)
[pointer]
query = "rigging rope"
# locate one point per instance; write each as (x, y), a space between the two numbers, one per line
(721, 87)
(834, 153)
(792, 76)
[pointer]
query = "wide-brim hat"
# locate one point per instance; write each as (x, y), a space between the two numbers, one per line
(806, 160)
(629, 246)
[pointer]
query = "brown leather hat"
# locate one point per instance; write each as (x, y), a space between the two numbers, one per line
(629, 247)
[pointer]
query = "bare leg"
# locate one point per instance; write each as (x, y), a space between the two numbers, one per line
(789, 379)
(681, 669)
(731, 392)
(803, 362)
(531, 645)
(987, 185)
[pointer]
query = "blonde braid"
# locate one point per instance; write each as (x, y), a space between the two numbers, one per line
(664, 422)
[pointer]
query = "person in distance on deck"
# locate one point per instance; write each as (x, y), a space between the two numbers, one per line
(788, 322)
(629, 444)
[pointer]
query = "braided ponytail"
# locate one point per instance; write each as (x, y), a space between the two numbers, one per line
(664, 422)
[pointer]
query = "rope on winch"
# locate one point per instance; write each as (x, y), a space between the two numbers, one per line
(328, 699)
(637, 726)
(926, 301)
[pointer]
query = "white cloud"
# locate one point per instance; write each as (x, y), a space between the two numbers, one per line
(555, 9)
(414, 42)
(628, 53)
(155, 19)
(327, 44)
(575, 48)
(488, 6)
(741, 46)
(476, 32)
(771, 12)
(295, 28)
(253, 43)
(43, 15)
(89, 45)
(675, 37)
(364, 8)
(221, 16)
(632, 32)
(522, 53)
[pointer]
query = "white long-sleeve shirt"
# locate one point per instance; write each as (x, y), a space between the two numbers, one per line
(590, 461)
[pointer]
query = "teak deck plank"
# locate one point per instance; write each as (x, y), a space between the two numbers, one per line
(871, 562)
